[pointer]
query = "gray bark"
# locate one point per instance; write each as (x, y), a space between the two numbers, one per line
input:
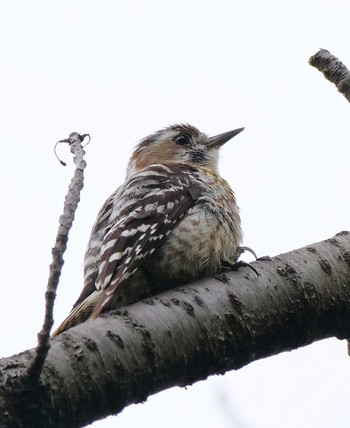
(333, 70)
(182, 336)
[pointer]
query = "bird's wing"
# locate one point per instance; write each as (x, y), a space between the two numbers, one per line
(135, 220)
(164, 196)
(92, 255)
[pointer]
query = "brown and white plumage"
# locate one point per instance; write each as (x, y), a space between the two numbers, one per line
(173, 219)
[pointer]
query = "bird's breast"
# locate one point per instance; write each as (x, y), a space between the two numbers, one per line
(205, 237)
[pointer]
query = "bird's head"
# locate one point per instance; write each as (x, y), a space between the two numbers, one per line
(180, 144)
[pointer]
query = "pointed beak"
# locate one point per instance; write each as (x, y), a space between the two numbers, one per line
(219, 140)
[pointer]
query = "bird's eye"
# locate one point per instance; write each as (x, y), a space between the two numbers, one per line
(182, 139)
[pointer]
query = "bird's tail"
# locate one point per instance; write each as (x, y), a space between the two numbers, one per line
(79, 314)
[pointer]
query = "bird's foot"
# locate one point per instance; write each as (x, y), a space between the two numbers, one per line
(236, 264)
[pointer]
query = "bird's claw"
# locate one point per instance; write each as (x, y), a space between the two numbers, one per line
(236, 264)
(243, 249)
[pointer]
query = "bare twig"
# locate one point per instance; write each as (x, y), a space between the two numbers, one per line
(65, 223)
(333, 70)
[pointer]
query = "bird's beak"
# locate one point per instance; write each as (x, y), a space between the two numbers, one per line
(219, 140)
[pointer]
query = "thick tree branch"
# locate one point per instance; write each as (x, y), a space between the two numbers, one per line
(182, 336)
(336, 72)
(333, 70)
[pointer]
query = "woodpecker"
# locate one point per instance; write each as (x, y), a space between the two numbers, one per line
(173, 219)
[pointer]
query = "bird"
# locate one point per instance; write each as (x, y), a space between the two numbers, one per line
(174, 219)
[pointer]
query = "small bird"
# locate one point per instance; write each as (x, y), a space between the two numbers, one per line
(174, 219)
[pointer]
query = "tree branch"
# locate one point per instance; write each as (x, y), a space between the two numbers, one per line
(182, 336)
(333, 70)
(65, 223)
(336, 72)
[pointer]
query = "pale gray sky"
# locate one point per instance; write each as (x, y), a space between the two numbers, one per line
(121, 69)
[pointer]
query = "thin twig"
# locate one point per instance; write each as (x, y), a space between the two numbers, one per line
(65, 223)
(333, 70)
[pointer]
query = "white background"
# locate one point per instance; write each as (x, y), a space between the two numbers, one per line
(120, 70)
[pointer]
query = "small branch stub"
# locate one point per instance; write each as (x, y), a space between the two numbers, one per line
(65, 223)
(333, 70)
(68, 141)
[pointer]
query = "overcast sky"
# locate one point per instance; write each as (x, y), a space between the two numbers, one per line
(120, 70)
